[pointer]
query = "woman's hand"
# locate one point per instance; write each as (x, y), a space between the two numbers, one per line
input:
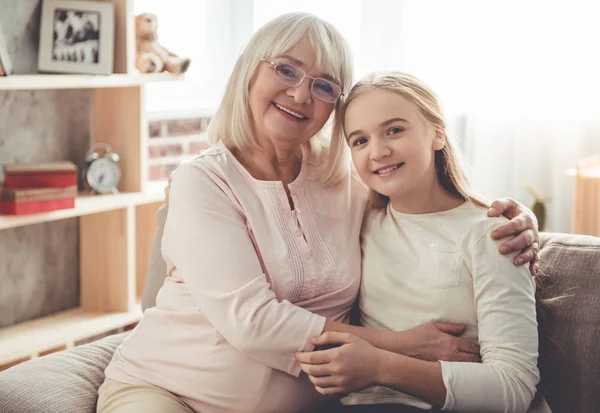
(435, 341)
(352, 366)
(523, 224)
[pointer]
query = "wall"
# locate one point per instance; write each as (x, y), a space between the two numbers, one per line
(39, 264)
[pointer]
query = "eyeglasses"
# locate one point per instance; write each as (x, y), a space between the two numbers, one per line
(323, 89)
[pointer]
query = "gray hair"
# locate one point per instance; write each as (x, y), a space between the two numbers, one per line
(232, 120)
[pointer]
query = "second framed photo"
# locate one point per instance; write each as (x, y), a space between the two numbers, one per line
(77, 36)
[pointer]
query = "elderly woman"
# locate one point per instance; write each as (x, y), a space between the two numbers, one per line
(262, 245)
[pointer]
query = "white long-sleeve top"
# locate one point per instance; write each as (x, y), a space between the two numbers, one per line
(446, 267)
(251, 281)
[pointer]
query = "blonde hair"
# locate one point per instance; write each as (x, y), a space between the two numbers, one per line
(232, 120)
(448, 166)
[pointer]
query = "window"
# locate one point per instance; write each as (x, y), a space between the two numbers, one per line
(200, 30)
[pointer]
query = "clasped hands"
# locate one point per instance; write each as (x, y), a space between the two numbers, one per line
(355, 364)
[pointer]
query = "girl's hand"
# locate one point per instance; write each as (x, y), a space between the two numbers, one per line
(352, 366)
(435, 341)
(523, 225)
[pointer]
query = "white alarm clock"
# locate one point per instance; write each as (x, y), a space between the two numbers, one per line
(102, 173)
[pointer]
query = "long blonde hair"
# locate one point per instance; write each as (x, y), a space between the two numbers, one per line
(232, 120)
(448, 166)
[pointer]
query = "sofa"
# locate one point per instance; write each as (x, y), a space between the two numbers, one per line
(67, 381)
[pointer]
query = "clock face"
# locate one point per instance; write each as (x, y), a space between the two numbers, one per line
(103, 175)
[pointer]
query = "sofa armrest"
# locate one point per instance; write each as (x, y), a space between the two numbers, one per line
(63, 382)
(569, 357)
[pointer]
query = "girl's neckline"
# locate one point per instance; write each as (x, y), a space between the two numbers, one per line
(450, 211)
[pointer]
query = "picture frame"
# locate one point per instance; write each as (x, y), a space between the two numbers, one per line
(77, 36)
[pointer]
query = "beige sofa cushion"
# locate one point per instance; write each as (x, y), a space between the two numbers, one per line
(64, 382)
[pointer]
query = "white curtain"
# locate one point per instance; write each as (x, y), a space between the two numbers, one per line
(508, 153)
(520, 83)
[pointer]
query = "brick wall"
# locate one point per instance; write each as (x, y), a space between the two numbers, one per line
(172, 141)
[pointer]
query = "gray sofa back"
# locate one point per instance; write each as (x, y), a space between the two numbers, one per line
(570, 378)
(157, 268)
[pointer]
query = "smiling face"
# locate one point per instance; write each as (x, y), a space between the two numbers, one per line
(282, 115)
(392, 145)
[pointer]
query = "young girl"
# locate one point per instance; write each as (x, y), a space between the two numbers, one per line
(427, 255)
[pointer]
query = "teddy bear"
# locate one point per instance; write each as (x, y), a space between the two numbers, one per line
(151, 56)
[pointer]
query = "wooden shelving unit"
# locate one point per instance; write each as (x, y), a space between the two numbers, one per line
(115, 231)
(586, 208)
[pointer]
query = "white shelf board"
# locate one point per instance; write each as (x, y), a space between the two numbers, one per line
(84, 205)
(29, 338)
(49, 81)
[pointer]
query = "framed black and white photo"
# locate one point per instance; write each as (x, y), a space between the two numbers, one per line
(77, 36)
